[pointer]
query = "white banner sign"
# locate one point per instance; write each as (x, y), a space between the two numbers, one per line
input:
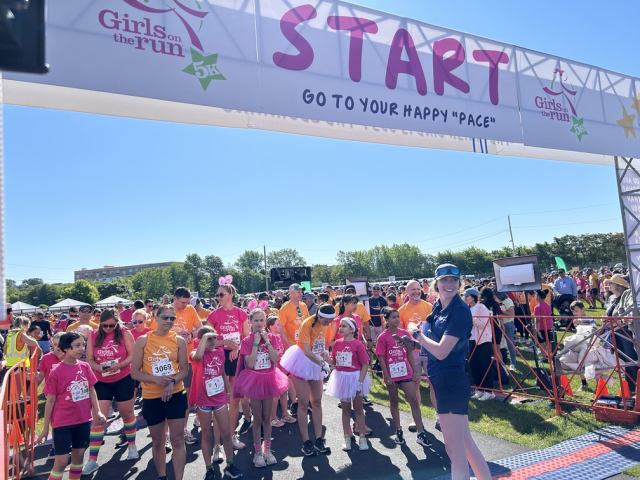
(336, 62)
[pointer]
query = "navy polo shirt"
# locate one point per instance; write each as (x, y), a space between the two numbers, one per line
(455, 321)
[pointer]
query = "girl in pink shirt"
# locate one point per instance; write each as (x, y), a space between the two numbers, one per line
(71, 405)
(350, 380)
(398, 371)
(50, 360)
(273, 326)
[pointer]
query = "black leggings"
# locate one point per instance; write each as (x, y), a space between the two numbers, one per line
(479, 363)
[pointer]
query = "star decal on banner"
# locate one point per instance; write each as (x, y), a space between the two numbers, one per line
(578, 128)
(636, 103)
(204, 68)
(626, 122)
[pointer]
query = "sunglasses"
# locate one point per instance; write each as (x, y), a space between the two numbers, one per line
(74, 315)
(448, 271)
(220, 295)
(135, 322)
(299, 311)
(85, 311)
(108, 325)
(167, 317)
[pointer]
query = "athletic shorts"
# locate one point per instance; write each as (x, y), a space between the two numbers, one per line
(230, 366)
(595, 292)
(420, 362)
(452, 392)
(120, 390)
(155, 411)
(71, 436)
(211, 409)
(188, 378)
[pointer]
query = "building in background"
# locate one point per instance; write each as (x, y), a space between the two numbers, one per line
(110, 272)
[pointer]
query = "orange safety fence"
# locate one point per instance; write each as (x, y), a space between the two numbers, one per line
(549, 367)
(18, 418)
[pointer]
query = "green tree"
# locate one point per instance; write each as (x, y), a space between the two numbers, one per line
(195, 268)
(250, 260)
(287, 257)
(122, 287)
(321, 274)
(214, 268)
(178, 276)
(153, 282)
(46, 293)
(30, 282)
(83, 291)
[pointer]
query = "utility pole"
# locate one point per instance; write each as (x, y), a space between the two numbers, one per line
(513, 245)
(266, 274)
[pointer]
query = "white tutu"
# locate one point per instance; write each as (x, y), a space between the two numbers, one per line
(342, 385)
(297, 364)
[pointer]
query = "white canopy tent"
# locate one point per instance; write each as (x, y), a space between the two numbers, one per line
(21, 307)
(66, 304)
(113, 300)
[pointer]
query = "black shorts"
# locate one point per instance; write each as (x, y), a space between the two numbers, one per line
(155, 411)
(452, 392)
(230, 366)
(120, 390)
(71, 436)
(595, 292)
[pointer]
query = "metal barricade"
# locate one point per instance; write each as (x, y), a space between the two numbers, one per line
(18, 418)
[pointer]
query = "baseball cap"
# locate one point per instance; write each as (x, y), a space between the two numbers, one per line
(376, 285)
(308, 295)
(471, 291)
(350, 287)
(295, 286)
(447, 270)
(64, 316)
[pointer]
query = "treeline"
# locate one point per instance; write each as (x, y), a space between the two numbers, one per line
(402, 261)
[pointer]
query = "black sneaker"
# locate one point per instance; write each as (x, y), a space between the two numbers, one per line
(437, 426)
(308, 449)
(423, 440)
(122, 440)
(246, 425)
(209, 474)
(366, 400)
(399, 437)
(294, 409)
(232, 471)
(321, 447)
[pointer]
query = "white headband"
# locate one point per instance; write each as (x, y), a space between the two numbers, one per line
(326, 315)
(350, 322)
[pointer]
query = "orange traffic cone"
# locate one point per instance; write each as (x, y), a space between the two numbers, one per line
(602, 388)
(624, 389)
(15, 430)
(566, 386)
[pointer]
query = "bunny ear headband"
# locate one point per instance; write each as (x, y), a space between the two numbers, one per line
(254, 304)
(225, 280)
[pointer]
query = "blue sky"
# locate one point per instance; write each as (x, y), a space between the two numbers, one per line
(88, 190)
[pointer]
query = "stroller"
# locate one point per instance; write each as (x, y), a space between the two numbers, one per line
(563, 305)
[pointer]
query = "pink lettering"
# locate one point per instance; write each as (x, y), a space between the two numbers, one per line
(395, 65)
(357, 26)
(288, 24)
(442, 67)
(114, 23)
(494, 58)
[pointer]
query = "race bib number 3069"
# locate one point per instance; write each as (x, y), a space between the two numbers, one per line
(162, 367)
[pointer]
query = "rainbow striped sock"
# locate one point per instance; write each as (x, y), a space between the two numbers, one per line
(95, 442)
(55, 475)
(75, 471)
(130, 427)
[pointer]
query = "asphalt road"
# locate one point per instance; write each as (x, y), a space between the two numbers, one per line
(384, 460)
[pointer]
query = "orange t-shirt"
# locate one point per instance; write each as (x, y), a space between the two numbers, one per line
(317, 336)
(361, 311)
(414, 313)
(160, 357)
(203, 313)
(291, 320)
(74, 326)
(186, 319)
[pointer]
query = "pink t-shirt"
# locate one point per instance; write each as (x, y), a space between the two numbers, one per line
(395, 355)
(278, 344)
(543, 310)
(126, 315)
(355, 317)
(110, 353)
(136, 334)
(349, 356)
(263, 361)
(581, 283)
(47, 363)
(208, 386)
(228, 324)
(70, 384)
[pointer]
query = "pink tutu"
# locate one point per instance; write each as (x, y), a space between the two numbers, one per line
(297, 364)
(342, 385)
(260, 385)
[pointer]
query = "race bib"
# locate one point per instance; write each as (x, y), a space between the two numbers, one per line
(80, 391)
(214, 385)
(235, 336)
(297, 334)
(262, 361)
(318, 345)
(162, 367)
(343, 359)
(108, 364)
(397, 370)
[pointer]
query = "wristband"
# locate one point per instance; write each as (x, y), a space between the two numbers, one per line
(256, 344)
(173, 380)
(267, 343)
